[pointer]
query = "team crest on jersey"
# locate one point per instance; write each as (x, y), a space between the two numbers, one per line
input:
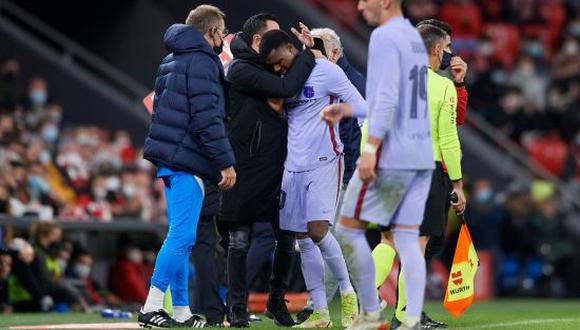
(308, 92)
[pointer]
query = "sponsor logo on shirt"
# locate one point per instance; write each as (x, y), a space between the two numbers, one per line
(308, 92)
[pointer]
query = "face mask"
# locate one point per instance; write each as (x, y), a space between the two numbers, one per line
(445, 60)
(574, 30)
(50, 134)
(61, 264)
(44, 157)
(36, 182)
(9, 76)
(483, 196)
(129, 190)
(135, 256)
(535, 49)
(82, 271)
(218, 49)
(38, 97)
(571, 48)
(53, 250)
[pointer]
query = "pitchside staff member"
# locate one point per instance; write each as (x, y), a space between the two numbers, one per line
(258, 136)
(188, 143)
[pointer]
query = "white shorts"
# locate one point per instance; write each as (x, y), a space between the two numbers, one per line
(394, 197)
(310, 196)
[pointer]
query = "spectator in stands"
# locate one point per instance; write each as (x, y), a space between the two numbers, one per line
(48, 238)
(126, 278)
(5, 270)
(79, 274)
(9, 84)
(28, 290)
(533, 84)
(37, 96)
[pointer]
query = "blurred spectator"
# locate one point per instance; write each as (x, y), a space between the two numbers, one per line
(9, 84)
(5, 270)
(48, 249)
(485, 216)
(532, 83)
(127, 276)
(78, 273)
(37, 95)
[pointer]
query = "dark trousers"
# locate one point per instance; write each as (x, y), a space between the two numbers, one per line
(206, 260)
(240, 240)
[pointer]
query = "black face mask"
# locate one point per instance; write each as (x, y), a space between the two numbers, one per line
(53, 249)
(446, 60)
(218, 49)
(9, 76)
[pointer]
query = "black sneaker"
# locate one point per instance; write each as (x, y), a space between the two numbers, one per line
(157, 319)
(196, 321)
(239, 318)
(303, 315)
(214, 325)
(429, 323)
(395, 323)
(276, 310)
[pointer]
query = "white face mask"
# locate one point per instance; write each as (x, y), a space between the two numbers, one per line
(571, 48)
(61, 264)
(82, 271)
(135, 255)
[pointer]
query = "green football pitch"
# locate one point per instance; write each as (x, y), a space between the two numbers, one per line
(499, 314)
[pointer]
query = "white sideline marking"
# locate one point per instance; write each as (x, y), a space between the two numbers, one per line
(516, 323)
(121, 325)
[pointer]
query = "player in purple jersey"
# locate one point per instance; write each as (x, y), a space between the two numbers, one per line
(394, 173)
(313, 175)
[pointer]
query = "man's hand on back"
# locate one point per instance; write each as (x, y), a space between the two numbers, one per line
(228, 178)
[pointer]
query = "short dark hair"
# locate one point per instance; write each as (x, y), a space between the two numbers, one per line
(431, 35)
(436, 23)
(255, 25)
(272, 40)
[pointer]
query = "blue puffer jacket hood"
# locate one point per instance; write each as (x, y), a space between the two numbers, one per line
(183, 38)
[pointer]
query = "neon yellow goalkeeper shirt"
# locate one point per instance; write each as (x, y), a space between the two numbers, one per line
(442, 100)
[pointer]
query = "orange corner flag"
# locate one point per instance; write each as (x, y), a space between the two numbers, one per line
(460, 292)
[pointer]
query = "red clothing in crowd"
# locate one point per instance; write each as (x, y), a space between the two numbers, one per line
(128, 281)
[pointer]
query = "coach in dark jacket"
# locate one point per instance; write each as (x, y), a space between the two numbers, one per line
(187, 130)
(258, 137)
(188, 143)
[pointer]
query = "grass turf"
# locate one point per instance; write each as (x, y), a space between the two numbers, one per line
(498, 314)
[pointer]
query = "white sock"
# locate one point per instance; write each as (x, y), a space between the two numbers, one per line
(332, 254)
(154, 300)
(313, 272)
(181, 313)
(358, 256)
(414, 271)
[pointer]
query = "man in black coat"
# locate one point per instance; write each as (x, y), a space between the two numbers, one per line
(257, 133)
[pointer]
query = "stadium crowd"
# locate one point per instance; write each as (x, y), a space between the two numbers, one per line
(51, 169)
(524, 75)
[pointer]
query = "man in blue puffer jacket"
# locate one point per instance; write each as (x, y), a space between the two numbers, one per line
(188, 143)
